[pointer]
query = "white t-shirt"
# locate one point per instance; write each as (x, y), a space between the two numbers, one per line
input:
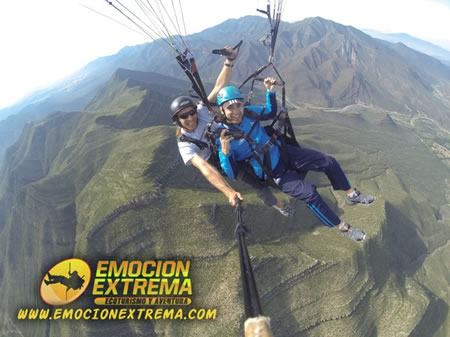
(189, 150)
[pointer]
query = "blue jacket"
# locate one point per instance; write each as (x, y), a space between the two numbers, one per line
(240, 148)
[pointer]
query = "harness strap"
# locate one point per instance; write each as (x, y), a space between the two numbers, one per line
(266, 165)
(190, 69)
(202, 145)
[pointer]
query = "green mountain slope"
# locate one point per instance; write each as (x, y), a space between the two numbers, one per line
(52, 165)
(99, 184)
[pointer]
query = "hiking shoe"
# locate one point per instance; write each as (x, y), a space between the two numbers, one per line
(353, 233)
(359, 198)
(286, 210)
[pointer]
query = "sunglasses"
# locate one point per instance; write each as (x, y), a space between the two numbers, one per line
(185, 115)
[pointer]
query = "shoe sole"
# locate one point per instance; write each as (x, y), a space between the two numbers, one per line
(353, 203)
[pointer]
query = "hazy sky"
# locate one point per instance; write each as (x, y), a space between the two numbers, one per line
(42, 41)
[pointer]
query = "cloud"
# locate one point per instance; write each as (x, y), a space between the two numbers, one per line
(425, 19)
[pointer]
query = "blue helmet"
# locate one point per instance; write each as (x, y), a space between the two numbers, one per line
(229, 93)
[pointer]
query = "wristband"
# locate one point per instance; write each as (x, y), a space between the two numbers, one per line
(228, 64)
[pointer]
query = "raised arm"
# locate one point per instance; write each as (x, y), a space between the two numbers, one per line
(214, 177)
(225, 75)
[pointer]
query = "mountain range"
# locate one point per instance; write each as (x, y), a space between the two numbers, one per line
(98, 176)
(417, 44)
(339, 65)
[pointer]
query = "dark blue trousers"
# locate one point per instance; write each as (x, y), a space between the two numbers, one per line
(290, 182)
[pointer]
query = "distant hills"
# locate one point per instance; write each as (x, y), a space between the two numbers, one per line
(326, 64)
(414, 43)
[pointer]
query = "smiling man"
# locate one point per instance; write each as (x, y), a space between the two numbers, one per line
(192, 120)
(265, 155)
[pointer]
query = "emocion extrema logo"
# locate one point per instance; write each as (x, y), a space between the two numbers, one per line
(65, 282)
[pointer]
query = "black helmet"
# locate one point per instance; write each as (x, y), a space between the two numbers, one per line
(179, 104)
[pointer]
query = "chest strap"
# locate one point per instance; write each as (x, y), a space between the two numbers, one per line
(202, 145)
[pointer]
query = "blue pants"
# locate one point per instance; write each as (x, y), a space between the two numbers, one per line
(247, 175)
(289, 181)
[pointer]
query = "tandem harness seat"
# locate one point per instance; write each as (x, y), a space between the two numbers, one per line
(279, 133)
